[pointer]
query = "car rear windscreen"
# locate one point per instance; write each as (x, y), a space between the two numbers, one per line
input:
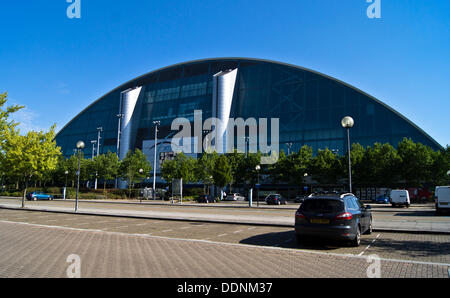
(322, 206)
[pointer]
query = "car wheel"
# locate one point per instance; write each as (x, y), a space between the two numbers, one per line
(357, 241)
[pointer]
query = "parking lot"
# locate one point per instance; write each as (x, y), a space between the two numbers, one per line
(433, 248)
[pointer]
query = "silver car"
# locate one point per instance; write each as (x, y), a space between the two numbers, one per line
(235, 197)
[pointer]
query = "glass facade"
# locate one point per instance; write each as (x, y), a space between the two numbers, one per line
(310, 107)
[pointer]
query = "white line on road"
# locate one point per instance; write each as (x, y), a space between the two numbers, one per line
(378, 236)
(166, 231)
(236, 232)
(222, 235)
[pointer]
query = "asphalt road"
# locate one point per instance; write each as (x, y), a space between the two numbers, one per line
(420, 218)
(37, 244)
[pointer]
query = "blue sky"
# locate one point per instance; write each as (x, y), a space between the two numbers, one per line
(56, 66)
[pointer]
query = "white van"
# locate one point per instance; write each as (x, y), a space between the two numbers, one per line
(442, 199)
(400, 197)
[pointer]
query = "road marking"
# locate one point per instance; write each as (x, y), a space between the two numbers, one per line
(235, 232)
(184, 228)
(140, 225)
(165, 231)
(222, 235)
(251, 228)
(378, 236)
(300, 251)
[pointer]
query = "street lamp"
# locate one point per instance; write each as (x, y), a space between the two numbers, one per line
(93, 148)
(140, 198)
(157, 124)
(100, 130)
(348, 123)
(258, 168)
(247, 145)
(80, 146)
(65, 185)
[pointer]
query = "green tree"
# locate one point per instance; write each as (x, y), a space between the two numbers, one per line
(416, 162)
(221, 173)
(5, 113)
(29, 155)
(131, 166)
(326, 167)
(300, 165)
(107, 167)
(204, 168)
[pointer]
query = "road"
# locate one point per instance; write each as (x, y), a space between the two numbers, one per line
(420, 218)
(37, 244)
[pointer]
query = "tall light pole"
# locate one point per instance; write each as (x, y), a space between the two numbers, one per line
(348, 123)
(247, 145)
(93, 148)
(157, 124)
(100, 130)
(65, 185)
(140, 198)
(258, 168)
(80, 146)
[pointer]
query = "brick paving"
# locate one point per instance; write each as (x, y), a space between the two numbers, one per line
(30, 250)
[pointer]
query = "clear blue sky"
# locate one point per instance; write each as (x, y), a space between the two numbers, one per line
(56, 66)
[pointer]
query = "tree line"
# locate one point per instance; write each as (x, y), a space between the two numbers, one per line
(381, 165)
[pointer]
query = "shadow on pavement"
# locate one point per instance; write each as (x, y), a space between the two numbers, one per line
(414, 248)
(288, 240)
(416, 213)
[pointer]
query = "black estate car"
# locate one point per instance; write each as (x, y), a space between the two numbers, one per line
(333, 216)
(276, 199)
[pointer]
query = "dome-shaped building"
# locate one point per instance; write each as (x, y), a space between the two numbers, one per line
(309, 106)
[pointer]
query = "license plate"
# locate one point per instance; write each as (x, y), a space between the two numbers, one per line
(320, 221)
(444, 204)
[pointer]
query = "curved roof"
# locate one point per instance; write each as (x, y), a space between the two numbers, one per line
(133, 83)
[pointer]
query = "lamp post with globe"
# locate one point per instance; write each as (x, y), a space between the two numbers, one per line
(80, 146)
(348, 123)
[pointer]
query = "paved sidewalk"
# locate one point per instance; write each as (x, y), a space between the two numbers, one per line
(217, 215)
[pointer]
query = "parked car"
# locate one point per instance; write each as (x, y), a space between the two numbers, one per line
(38, 195)
(234, 197)
(341, 217)
(299, 199)
(276, 200)
(384, 199)
(206, 199)
(400, 197)
(442, 199)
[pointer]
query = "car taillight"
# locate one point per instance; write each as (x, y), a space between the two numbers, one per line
(345, 216)
(300, 215)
